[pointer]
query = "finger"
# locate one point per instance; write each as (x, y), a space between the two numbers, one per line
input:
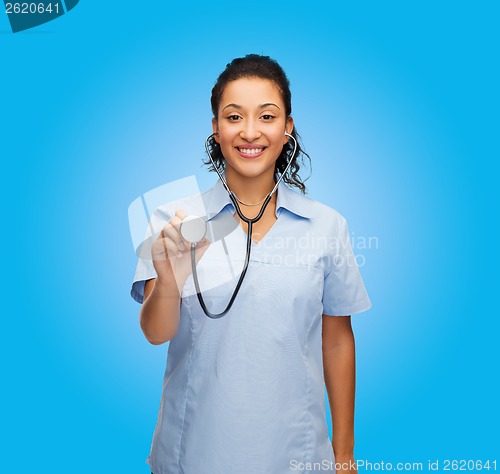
(165, 247)
(175, 221)
(180, 214)
(203, 243)
(201, 248)
(171, 230)
(159, 250)
(172, 248)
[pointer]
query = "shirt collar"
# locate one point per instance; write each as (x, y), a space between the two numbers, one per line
(293, 202)
(217, 199)
(287, 199)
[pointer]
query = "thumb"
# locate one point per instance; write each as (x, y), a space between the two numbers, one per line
(202, 247)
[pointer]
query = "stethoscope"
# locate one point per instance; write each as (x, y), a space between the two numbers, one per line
(193, 229)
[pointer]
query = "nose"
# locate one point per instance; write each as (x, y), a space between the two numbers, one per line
(249, 131)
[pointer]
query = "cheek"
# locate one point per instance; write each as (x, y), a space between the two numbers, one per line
(226, 136)
(278, 139)
(277, 133)
(224, 143)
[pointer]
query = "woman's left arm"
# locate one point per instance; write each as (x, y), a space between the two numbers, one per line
(339, 363)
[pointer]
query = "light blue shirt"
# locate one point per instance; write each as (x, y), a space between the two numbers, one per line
(245, 393)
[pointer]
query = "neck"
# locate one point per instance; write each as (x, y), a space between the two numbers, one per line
(250, 190)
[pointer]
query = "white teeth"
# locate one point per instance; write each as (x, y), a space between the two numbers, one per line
(251, 151)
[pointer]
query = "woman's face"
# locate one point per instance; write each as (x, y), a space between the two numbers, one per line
(251, 123)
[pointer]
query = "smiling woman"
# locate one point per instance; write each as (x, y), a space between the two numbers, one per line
(244, 393)
(251, 133)
(271, 77)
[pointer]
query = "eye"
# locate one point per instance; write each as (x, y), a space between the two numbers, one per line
(267, 117)
(233, 118)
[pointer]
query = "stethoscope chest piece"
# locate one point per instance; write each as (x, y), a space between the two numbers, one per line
(193, 229)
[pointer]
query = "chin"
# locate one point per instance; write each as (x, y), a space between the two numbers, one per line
(250, 170)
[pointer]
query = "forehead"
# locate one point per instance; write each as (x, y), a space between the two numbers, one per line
(251, 91)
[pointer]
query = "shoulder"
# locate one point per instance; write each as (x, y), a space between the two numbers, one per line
(319, 212)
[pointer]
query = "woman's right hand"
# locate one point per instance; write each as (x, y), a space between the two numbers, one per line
(172, 254)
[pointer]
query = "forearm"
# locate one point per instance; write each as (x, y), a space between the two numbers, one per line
(160, 312)
(340, 374)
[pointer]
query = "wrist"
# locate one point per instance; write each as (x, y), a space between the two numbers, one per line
(344, 456)
(166, 287)
(343, 453)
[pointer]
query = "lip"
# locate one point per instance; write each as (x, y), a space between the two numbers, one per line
(250, 147)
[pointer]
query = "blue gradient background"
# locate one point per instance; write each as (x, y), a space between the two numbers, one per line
(397, 105)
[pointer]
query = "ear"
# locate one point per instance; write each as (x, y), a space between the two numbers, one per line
(288, 128)
(215, 129)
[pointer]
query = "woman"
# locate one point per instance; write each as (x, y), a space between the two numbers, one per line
(244, 393)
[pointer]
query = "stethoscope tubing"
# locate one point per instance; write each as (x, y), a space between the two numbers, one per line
(249, 222)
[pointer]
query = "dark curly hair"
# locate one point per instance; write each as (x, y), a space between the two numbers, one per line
(255, 65)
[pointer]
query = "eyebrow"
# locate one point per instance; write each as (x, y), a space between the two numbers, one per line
(263, 106)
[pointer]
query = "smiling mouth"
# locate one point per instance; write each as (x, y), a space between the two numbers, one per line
(250, 151)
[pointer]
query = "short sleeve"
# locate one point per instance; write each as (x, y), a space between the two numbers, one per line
(344, 292)
(145, 271)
